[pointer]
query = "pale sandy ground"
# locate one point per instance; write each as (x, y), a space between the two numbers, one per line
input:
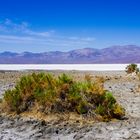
(124, 89)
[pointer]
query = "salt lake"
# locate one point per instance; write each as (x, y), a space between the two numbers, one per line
(81, 67)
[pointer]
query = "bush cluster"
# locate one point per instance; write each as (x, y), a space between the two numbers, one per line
(132, 68)
(62, 94)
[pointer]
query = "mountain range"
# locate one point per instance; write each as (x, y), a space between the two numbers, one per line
(114, 54)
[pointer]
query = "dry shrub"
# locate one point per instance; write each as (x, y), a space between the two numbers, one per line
(131, 68)
(62, 94)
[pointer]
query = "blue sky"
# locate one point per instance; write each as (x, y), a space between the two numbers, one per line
(62, 25)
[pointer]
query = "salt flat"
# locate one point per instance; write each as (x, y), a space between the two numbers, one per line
(123, 87)
(81, 67)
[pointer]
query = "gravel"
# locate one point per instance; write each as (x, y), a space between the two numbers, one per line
(124, 89)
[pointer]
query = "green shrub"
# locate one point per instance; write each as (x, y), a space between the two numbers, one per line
(100, 110)
(45, 97)
(64, 79)
(82, 107)
(106, 105)
(62, 94)
(132, 68)
(13, 100)
(109, 100)
(118, 111)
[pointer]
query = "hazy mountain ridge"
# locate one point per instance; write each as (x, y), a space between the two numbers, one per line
(114, 54)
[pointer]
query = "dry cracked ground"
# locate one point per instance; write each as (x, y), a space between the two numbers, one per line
(124, 88)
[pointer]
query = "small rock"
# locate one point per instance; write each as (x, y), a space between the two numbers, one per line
(38, 135)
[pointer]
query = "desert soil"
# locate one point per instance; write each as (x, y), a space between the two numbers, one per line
(125, 89)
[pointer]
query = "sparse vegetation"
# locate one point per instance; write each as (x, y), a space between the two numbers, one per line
(132, 68)
(62, 94)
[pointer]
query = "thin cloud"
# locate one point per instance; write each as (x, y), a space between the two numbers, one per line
(20, 33)
(8, 26)
(48, 41)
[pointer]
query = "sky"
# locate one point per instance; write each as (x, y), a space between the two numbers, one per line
(63, 25)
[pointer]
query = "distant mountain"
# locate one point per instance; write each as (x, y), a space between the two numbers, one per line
(114, 54)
